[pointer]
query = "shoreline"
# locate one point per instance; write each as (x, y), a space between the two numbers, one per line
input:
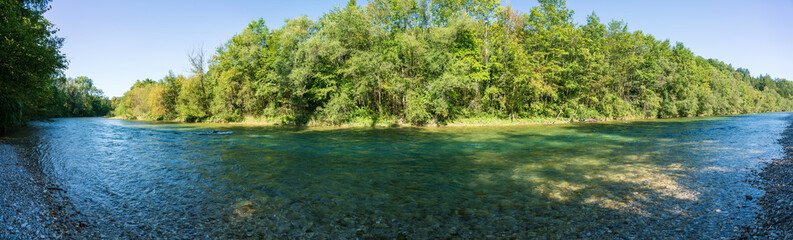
(32, 206)
(460, 123)
(37, 203)
(775, 219)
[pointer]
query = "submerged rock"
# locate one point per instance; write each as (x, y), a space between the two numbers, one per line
(216, 132)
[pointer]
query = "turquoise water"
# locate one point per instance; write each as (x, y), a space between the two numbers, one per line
(682, 177)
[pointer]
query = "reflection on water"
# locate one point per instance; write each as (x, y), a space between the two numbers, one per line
(647, 178)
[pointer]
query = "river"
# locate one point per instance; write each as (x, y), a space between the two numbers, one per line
(685, 178)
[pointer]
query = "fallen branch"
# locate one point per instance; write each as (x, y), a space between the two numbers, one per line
(557, 117)
(571, 118)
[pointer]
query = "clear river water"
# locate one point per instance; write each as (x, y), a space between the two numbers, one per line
(680, 178)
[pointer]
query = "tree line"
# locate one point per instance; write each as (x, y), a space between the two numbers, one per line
(32, 85)
(437, 61)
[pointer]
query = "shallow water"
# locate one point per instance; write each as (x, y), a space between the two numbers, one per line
(684, 178)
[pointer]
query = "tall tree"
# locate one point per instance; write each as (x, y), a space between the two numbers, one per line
(30, 60)
(437, 61)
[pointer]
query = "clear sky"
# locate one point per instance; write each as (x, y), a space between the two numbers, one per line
(117, 42)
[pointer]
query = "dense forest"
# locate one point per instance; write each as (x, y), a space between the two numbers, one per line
(399, 61)
(434, 62)
(32, 85)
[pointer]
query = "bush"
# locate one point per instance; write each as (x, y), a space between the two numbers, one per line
(416, 109)
(337, 110)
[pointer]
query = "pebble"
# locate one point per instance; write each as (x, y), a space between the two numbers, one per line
(406, 225)
(25, 210)
(774, 177)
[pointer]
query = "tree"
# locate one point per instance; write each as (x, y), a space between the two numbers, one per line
(31, 59)
(437, 61)
(194, 102)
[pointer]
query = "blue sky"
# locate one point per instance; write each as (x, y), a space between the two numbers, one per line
(117, 42)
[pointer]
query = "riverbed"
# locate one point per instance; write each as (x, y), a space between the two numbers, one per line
(682, 178)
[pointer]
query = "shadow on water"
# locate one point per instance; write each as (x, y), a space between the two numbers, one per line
(640, 178)
(652, 179)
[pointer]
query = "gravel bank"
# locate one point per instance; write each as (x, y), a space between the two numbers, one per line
(775, 220)
(30, 206)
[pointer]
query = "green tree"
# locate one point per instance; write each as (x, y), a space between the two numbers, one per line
(31, 59)
(436, 61)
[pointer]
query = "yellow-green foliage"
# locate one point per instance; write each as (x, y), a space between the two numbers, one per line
(143, 101)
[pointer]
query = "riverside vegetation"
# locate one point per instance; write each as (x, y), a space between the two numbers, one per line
(399, 61)
(425, 62)
(32, 85)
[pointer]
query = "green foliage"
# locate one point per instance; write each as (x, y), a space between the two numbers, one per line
(31, 85)
(416, 109)
(30, 58)
(190, 100)
(437, 61)
(78, 97)
(338, 110)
